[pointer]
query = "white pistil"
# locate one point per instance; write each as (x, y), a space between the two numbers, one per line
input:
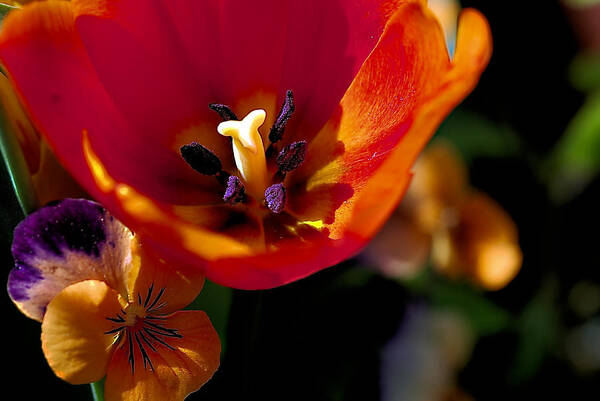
(248, 150)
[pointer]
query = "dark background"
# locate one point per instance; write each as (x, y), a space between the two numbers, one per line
(321, 338)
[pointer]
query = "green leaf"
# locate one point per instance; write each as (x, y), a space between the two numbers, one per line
(215, 300)
(5, 9)
(17, 166)
(581, 3)
(538, 327)
(584, 72)
(575, 160)
(485, 317)
(474, 136)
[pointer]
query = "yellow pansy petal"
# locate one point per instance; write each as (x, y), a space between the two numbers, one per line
(73, 331)
(151, 275)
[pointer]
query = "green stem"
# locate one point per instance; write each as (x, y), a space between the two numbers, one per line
(17, 167)
(5, 9)
(243, 335)
(98, 390)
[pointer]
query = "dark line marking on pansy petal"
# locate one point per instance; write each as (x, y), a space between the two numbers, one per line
(150, 289)
(119, 319)
(224, 111)
(161, 333)
(275, 198)
(158, 296)
(139, 299)
(157, 339)
(287, 109)
(163, 330)
(131, 357)
(155, 318)
(147, 341)
(145, 356)
(157, 308)
(118, 329)
(201, 159)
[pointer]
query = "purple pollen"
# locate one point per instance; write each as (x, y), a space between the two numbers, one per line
(201, 159)
(285, 113)
(224, 111)
(275, 198)
(292, 156)
(235, 191)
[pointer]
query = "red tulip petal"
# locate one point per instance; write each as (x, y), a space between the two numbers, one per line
(48, 62)
(142, 62)
(327, 43)
(403, 91)
(236, 49)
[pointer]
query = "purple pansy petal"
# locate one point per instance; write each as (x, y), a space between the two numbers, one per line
(63, 243)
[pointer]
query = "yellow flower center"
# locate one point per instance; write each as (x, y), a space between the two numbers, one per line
(141, 327)
(133, 313)
(248, 150)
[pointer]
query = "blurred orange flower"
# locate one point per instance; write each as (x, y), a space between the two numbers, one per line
(464, 232)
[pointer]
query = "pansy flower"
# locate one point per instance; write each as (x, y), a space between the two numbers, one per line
(260, 141)
(109, 306)
(464, 232)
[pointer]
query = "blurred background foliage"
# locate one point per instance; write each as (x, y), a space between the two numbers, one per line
(529, 136)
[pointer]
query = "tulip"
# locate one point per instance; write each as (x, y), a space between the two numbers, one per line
(259, 141)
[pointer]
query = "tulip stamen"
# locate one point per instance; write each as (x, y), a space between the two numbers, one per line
(204, 161)
(224, 111)
(275, 197)
(287, 109)
(289, 159)
(235, 191)
(276, 133)
(250, 156)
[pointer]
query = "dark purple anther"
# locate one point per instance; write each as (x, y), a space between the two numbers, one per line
(292, 156)
(224, 111)
(285, 113)
(275, 198)
(235, 191)
(201, 159)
